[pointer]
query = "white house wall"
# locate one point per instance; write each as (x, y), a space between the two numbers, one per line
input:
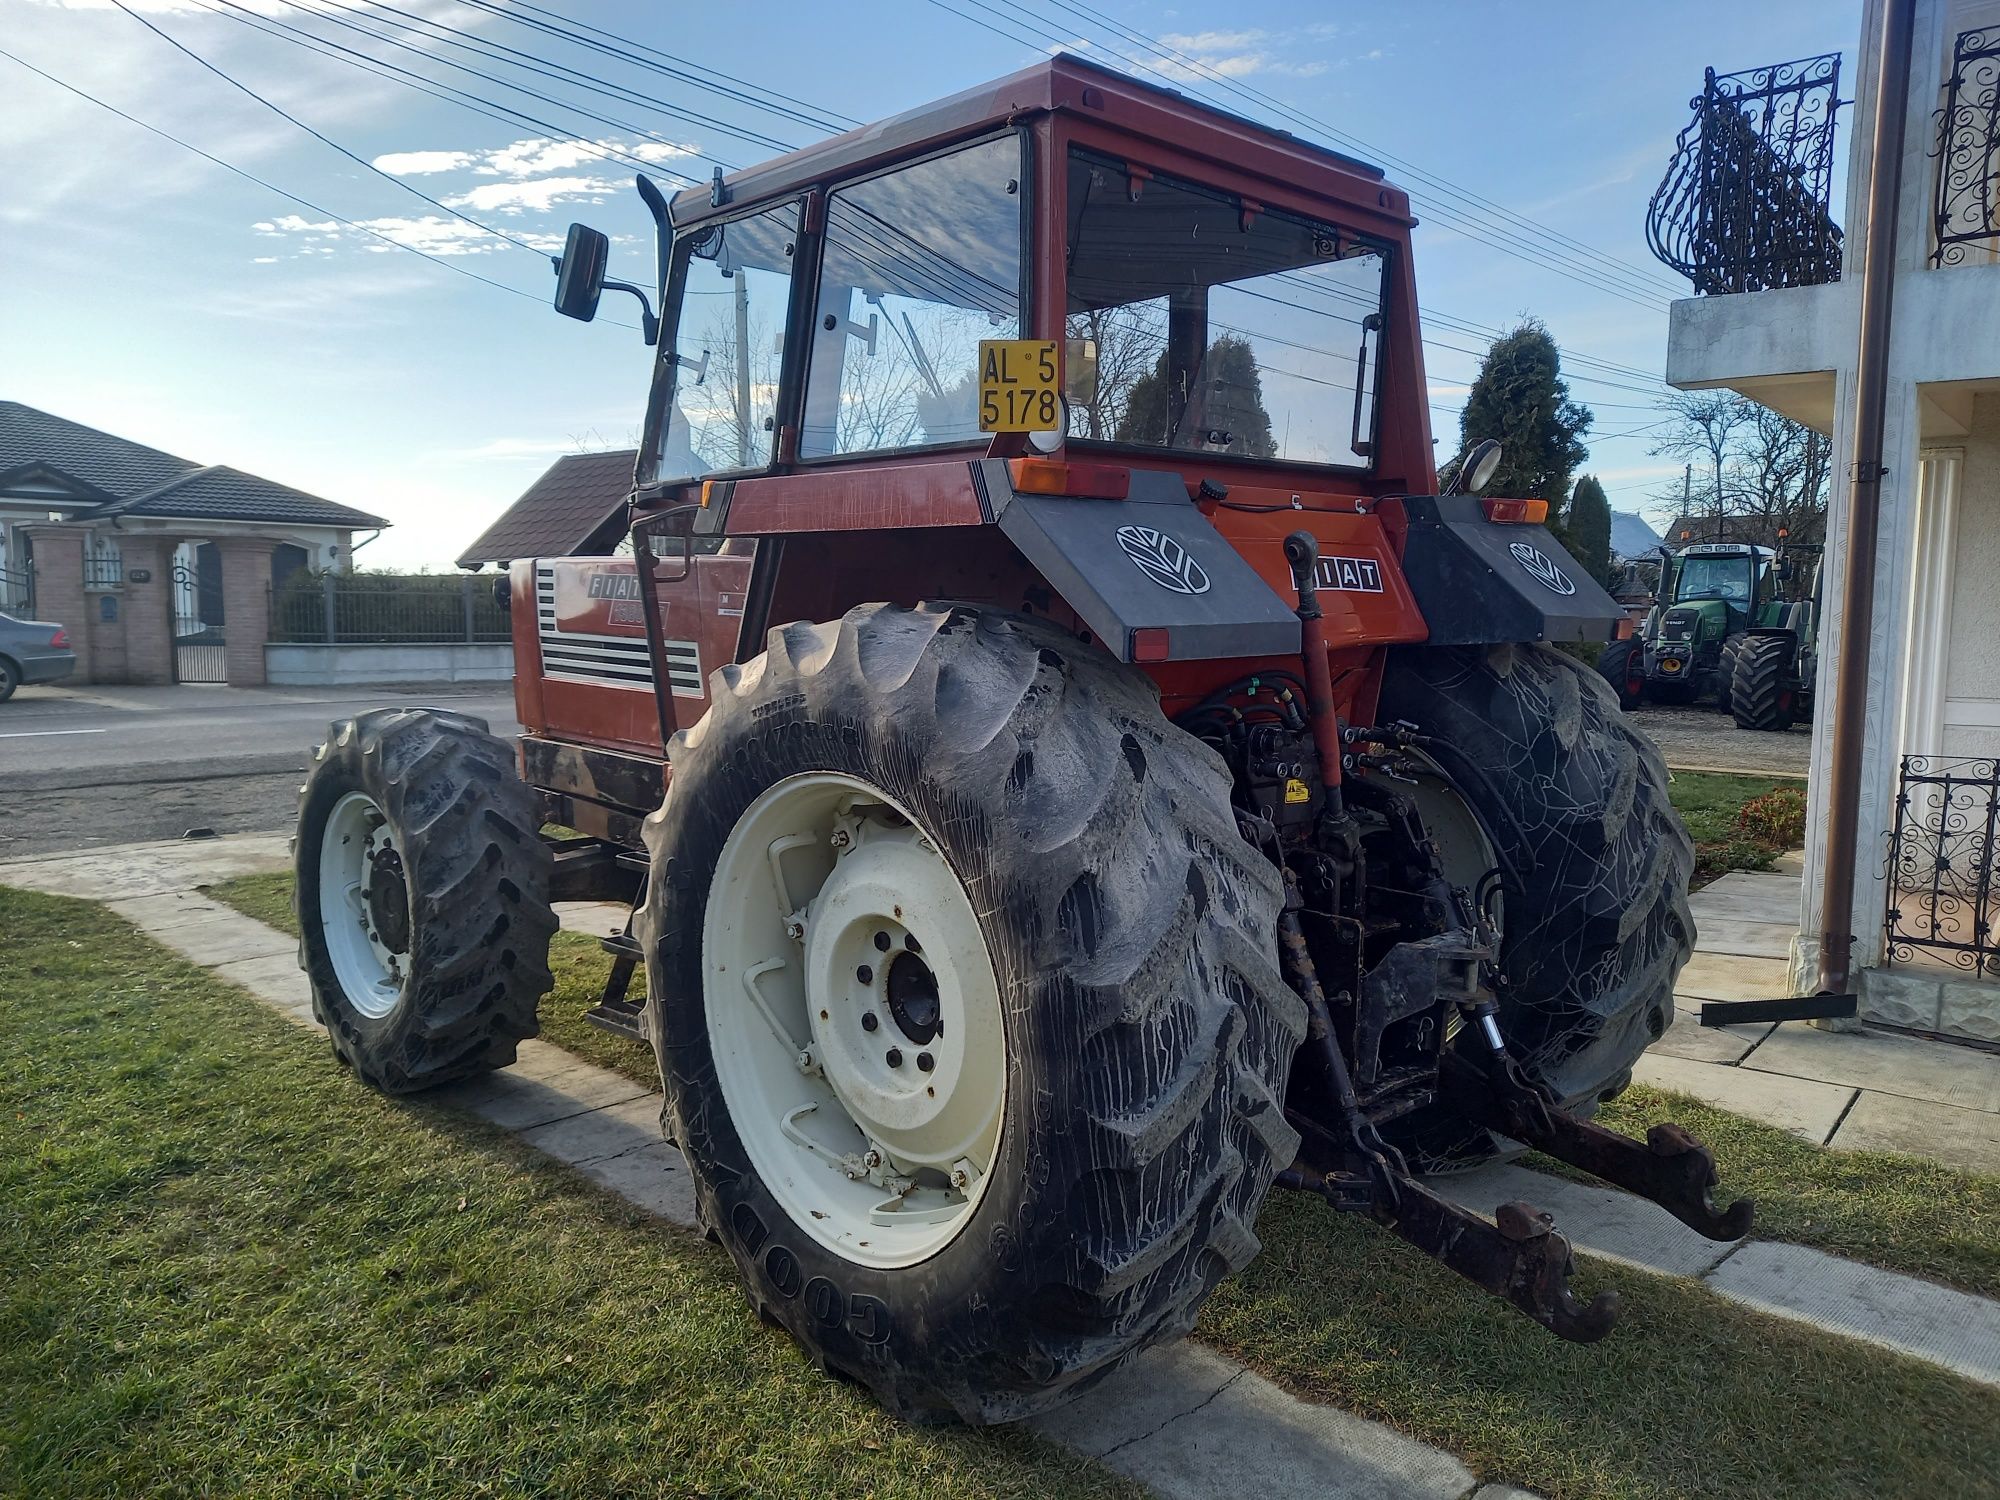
(1972, 665)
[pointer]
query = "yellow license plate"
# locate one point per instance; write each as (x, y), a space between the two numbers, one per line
(1020, 383)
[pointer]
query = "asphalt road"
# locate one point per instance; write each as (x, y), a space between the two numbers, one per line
(110, 765)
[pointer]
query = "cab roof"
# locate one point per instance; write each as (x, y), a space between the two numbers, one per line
(1063, 83)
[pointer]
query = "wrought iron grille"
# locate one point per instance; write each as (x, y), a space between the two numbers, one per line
(1943, 900)
(17, 591)
(1744, 204)
(1968, 151)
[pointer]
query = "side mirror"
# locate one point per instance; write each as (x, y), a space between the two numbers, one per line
(580, 272)
(1475, 468)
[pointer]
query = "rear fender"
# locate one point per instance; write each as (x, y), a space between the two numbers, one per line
(1481, 582)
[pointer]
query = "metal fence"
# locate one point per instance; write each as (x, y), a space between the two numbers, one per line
(1745, 202)
(1943, 901)
(386, 609)
(17, 591)
(1967, 226)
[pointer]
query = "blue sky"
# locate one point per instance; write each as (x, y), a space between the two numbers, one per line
(148, 292)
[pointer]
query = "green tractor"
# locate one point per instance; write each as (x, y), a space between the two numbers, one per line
(1712, 595)
(1772, 665)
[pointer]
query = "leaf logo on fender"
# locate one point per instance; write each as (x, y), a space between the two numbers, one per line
(1163, 559)
(1537, 566)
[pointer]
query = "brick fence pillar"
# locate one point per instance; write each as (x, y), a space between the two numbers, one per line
(246, 618)
(149, 607)
(59, 596)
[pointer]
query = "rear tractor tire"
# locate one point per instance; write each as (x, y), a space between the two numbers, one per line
(1591, 862)
(1623, 665)
(1725, 671)
(976, 1041)
(421, 886)
(1762, 694)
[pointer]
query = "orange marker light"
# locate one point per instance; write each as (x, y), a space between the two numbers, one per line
(1517, 512)
(707, 492)
(1050, 476)
(1149, 643)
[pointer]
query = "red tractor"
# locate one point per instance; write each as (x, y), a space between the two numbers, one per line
(1070, 768)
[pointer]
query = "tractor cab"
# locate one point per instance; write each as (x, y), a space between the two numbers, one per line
(1711, 593)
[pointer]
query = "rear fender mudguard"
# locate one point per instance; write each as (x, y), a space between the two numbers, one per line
(1481, 582)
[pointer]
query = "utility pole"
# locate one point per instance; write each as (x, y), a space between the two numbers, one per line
(1864, 502)
(746, 454)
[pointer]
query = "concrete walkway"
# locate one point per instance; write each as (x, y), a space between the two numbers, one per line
(1863, 1090)
(1183, 1420)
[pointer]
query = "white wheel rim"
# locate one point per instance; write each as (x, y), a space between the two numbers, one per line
(840, 956)
(358, 886)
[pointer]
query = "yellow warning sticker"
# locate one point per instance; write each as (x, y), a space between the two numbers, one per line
(1296, 791)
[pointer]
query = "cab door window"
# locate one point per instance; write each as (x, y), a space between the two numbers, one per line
(920, 264)
(729, 344)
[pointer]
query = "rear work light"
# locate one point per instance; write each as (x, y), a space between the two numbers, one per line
(60, 639)
(1050, 476)
(1517, 512)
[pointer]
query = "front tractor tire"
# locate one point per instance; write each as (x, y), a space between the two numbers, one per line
(974, 1038)
(421, 886)
(1761, 693)
(1591, 863)
(1623, 665)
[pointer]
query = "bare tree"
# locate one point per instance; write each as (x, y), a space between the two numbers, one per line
(1756, 471)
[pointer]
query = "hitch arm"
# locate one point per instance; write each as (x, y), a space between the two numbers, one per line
(1520, 1257)
(1670, 1166)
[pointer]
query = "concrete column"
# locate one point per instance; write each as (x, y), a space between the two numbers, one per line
(59, 596)
(149, 608)
(246, 618)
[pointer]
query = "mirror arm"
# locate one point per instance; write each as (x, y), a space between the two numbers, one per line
(649, 322)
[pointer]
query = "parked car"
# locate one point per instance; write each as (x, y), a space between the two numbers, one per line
(32, 651)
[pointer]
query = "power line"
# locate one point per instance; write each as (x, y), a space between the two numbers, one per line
(326, 140)
(1615, 284)
(737, 89)
(1640, 276)
(506, 114)
(268, 186)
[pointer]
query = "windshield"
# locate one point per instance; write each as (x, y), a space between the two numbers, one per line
(1724, 578)
(1199, 321)
(920, 264)
(729, 342)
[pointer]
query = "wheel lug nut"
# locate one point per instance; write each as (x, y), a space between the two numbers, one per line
(895, 1057)
(925, 1062)
(841, 838)
(881, 942)
(865, 974)
(868, 1021)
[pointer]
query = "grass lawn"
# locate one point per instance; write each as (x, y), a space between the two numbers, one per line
(1892, 1211)
(226, 1193)
(1708, 803)
(231, 1270)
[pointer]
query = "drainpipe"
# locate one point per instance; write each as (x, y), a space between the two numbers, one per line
(1864, 501)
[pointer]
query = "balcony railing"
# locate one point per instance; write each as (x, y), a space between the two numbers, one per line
(1944, 888)
(1745, 204)
(1967, 226)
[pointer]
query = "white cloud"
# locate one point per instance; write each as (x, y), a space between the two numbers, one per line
(417, 163)
(539, 196)
(434, 234)
(1211, 41)
(535, 156)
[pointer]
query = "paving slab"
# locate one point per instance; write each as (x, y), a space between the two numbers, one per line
(1745, 939)
(275, 979)
(1189, 1425)
(1885, 1064)
(1600, 1220)
(1931, 1322)
(226, 937)
(603, 1133)
(1713, 976)
(1800, 1105)
(593, 918)
(157, 914)
(1688, 1038)
(149, 869)
(516, 1102)
(1750, 898)
(1968, 1139)
(1755, 883)
(653, 1177)
(1503, 1492)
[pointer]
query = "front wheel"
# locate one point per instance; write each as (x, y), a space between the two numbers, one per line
(1623, 665)
(421, 886)
(971, 1028)
(10, 678)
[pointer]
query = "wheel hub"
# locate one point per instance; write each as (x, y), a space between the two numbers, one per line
(389, 900)
(855, 1019)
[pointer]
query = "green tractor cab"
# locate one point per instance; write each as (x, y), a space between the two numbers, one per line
(1712, 594)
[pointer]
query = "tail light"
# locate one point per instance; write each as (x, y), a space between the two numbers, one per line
(1517, 512)
(1049, 476)
(60, 640)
